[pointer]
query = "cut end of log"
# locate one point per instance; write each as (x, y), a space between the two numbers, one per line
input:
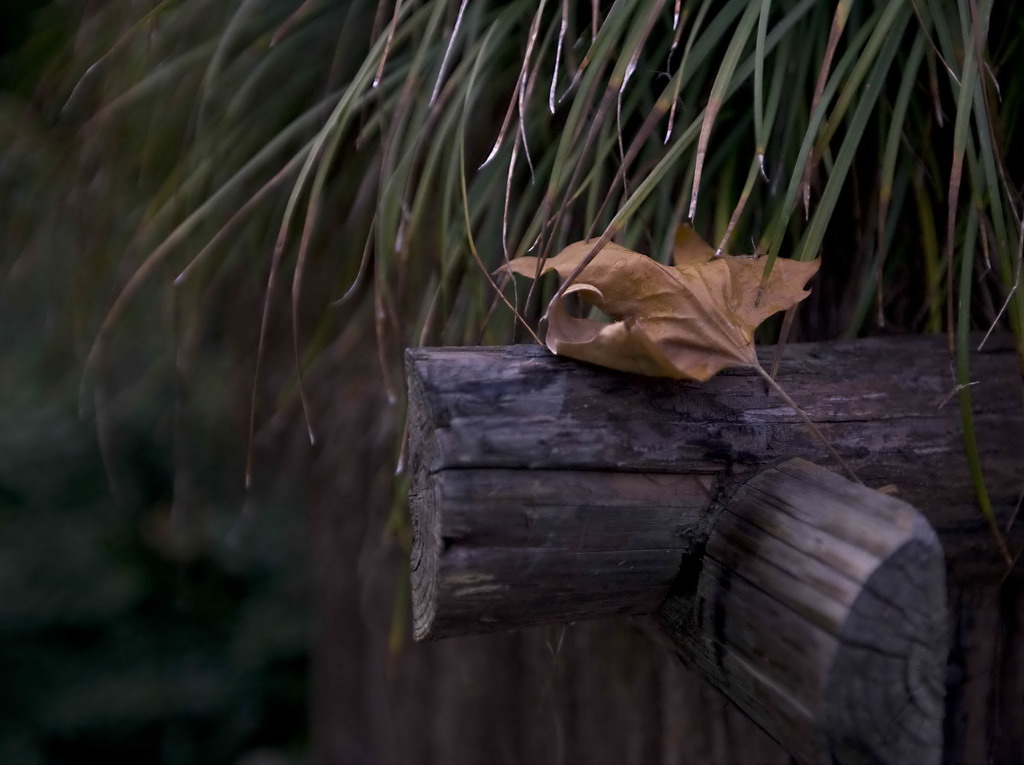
(886, 689)
(426, 552)
(820, 610)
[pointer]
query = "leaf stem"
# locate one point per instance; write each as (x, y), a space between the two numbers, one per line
(807, 420)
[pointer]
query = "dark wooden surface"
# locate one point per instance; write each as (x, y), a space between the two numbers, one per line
(877, 401)
(507, 549)
(593, 692)
(820, 610)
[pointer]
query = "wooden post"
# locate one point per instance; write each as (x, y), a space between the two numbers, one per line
(547, 491)
(819, 608)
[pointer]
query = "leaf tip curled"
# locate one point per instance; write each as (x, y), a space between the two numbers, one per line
(689, 248)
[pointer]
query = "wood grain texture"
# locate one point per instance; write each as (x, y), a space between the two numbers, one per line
(820, 610)
(876, 400)
(505, 549)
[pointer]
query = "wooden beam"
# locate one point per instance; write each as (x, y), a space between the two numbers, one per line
(506, 549)
(878, 401)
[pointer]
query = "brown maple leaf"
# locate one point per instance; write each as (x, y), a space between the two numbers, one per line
(689, 320)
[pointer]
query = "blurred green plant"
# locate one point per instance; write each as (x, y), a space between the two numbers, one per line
(139, 619)
(127, 635)
(133, 625)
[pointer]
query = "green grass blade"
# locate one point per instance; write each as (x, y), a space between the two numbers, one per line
(760, 130)
(963, 380)
(722, 84)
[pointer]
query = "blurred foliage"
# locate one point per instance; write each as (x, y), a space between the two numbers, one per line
(203, 198)
(141, 618)
(126, 635)
(306, 159)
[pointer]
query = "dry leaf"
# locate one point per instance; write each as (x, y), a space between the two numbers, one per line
(690, 320)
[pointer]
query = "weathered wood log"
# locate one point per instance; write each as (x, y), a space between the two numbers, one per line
(878, 402)
(819, 609)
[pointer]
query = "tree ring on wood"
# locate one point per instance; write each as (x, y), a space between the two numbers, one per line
(426, 551)
(887, 683)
